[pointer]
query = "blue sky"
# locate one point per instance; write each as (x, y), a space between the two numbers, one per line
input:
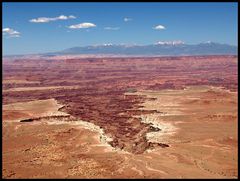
(67, 25)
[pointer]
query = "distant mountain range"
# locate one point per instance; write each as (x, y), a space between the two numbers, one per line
(161, 48)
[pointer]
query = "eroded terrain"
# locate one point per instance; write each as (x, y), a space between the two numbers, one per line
(169, 117)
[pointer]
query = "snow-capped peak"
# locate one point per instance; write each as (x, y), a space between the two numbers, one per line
(107, 44)
(175, 42)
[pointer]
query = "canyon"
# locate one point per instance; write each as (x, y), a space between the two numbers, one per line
(120, 117)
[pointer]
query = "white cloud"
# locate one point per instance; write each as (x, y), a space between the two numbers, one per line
(111, 28)
(10, 32)
(159, 27)
(127, 19)
(82, 25)
(46, 20)
(72, 17)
